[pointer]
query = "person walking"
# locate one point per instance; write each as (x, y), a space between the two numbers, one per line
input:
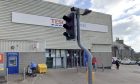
(117, 64)
(94, 61)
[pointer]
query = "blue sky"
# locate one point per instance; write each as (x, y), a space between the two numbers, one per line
(125, 16)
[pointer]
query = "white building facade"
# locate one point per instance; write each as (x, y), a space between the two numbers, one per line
(31, 30)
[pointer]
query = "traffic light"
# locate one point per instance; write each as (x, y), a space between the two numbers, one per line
(69, 26)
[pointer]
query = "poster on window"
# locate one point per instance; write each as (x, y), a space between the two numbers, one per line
(1, 61)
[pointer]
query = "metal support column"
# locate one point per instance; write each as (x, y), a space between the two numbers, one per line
(82, 47)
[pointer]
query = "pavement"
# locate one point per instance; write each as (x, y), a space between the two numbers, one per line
(127, 74)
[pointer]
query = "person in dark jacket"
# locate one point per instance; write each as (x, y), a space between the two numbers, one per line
(117, 64)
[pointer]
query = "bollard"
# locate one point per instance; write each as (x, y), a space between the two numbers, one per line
(7, 75)
(92, 76)
(24, 74)
(77, 63)
(102, 67)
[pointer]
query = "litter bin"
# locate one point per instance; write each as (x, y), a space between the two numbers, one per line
(42, 68)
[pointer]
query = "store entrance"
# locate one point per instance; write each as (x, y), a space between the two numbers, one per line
(64, 58)
(74, 58)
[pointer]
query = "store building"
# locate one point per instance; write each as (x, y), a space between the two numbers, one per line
(31, 30)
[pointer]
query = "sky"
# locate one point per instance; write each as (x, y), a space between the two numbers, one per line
(125, 17)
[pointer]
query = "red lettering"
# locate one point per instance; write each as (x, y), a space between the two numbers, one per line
(53, 21)
(57, 21)
(61, 21)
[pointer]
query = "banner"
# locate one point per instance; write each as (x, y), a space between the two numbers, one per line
(53, 22)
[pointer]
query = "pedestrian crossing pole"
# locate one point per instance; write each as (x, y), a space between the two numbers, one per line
(77, 28)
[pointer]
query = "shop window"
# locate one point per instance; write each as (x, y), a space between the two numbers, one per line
(52, 53)
(57, 53)
(47, 54)
(63, 53)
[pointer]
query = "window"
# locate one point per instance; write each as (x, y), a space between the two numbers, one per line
(63, 53)
(57, 53)
(52, 53)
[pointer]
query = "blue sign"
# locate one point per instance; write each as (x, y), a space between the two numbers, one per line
(12, 62)
(85, 58)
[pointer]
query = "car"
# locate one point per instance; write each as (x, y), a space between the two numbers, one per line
(138, 63)
(133, 62)
(126, 61)
(114, 60)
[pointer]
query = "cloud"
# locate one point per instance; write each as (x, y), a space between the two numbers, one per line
(70, 2)
(117, 8)
(134, 42)
(77, 3)
(133, 10)
(128, 29)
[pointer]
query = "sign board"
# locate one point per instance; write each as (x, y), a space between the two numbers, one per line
(53, 22)
(36, 20)
(1, 61)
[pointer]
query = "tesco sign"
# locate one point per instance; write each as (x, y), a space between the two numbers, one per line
(53, 22)
(57, 22)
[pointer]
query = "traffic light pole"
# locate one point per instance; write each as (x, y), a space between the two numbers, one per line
(82, 47)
